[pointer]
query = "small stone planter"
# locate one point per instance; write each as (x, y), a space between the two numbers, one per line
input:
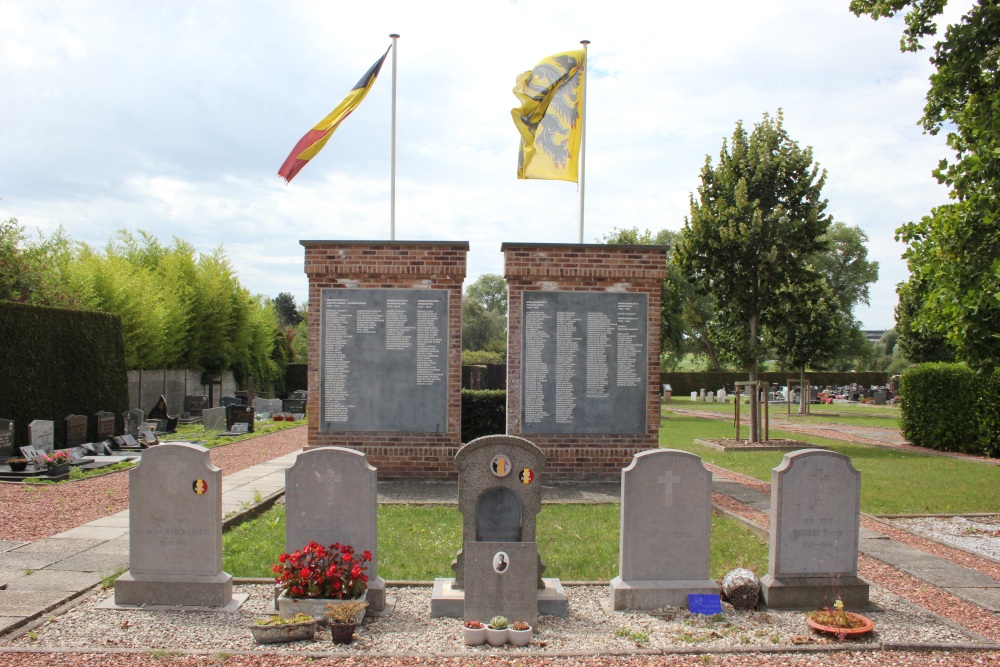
(286, 632)
(519, 637)
(496, 637)
(474, 636)
(56, 471)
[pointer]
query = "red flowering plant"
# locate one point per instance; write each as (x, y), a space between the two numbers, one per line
(55, 459)
(316, 571)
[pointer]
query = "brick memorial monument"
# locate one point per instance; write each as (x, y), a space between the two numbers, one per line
(583, 348)
(385, 352)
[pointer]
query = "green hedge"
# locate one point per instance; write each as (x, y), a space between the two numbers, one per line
(989, 415)
(683, 384)
(483, 413)
(940, 407)
(56, 362)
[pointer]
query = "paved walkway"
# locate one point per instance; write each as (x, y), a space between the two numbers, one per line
(38, 578)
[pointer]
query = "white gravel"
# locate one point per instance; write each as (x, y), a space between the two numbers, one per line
(410, 630)
(978, 535)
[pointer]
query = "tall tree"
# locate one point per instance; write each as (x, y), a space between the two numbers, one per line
(489, 291)
(287, 311)
(952, 252)
(758, 215)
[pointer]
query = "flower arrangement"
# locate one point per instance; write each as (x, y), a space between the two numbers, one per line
(55, 459)
(519, 626)
(841, 623)
(316, 571)
(346, 612)
(474, 625)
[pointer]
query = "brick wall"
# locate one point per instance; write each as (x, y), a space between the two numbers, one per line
(593, 268)
(391, 264)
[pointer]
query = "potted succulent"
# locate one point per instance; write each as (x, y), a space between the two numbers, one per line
(838, 622)
(496, 631)
(274, 629)
(519, 633)
(18, 463)
(315, 576)
(474, 633)
(344, 618)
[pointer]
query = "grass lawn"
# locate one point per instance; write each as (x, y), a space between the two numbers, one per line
(209, 439)
(838, 413)
(892, 481)
(418, 542)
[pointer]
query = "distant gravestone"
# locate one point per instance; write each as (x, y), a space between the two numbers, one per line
(7, 437)
(273, 406)
(260, 405)
(815, 520)
(300, 393)
(214, 419)
(76, 430)
(175, 531)
(160, 414)
(330, 496)
(293, 405)
(226, 401)
(710, 396)
(131, 419)
(105, 424)
(722, 395)
(239, 414)
(41, 435)
(499, 495)
(195, 405)
(666, 523)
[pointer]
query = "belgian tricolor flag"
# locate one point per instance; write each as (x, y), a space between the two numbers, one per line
(314, 140)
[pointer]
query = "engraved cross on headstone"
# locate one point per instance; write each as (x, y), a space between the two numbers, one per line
(818, 478)
(668, 479)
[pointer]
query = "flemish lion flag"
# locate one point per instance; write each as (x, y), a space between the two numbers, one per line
(547, 119)
(314, 140)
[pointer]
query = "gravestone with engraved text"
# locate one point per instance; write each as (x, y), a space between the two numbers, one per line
(240, 414)
(7, 437)
(41, 435)
(76, 430)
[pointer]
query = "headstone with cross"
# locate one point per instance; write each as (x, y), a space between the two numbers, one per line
(815, 521)
(666, 523)
(331, 496)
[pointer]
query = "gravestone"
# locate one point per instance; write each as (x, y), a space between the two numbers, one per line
(260, 405)
(694, 396)
(41, 435)
(701, 395)
(195, 405)
(500, 581)
(666, 523)
(300, 394)
(274, 406)
(499, 495)
(131, 419)
(710, 396)
(239, 414)
(76, 430)
(7, 438)
(330, 496)
(722, 395)
(214, 419)
(293, 405)
(175, 531)
(105, 425)
(160, 414)
(815, 519)
(226, 401)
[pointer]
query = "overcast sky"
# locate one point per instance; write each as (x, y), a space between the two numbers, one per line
(174, 117)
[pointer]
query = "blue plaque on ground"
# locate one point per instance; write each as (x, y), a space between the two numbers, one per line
(704, 604)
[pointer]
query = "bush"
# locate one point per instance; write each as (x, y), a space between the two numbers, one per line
(989, 416)
(940, 407)
(483, 413)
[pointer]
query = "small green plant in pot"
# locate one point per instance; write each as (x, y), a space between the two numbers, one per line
(344, 618)
(519, 633)
(496, 631)
(474, 633)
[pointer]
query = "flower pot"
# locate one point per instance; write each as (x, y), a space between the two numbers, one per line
(56, 471)
(18, 466)
(827, 622)
(287, 632)
(315, 607)
(519, 637)
(496, 637)
(342, 633)
(474, 636)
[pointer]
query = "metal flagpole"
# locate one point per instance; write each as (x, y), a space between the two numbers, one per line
(392, 179)
(583, 133)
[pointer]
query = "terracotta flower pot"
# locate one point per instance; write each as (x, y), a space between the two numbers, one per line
(827, 622)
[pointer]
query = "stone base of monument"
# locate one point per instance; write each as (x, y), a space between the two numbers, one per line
(649, 595)
(378, 603)
(449, 602)
(174, 590)
(811, 593)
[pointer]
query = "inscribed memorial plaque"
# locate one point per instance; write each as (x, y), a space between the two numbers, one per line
(41, 435)
(384, 359)
(498, 516)
(583, 362)
(105, 424)
(76, 430)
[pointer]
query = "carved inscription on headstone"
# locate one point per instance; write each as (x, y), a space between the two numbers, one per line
(76, 430)
(584, 362)
(240, 414)
(41, 435)
(105, 424)
(384, 358)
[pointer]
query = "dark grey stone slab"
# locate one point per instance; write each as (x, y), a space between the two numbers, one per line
(498, 516)
(76, 430)
(583, 364)
(240, 414)
(384, 360)
(105, 424)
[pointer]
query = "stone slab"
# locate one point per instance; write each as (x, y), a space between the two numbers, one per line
(234, 605)
(61, 549)
(183, 590)
(88, 531)
(657, 594)
(449, 602)
(12, 560)
(8, 575)
(8, 545)
(29, 603)
(55, 580)
(501, 580)
(810, 593)
(104, 564)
